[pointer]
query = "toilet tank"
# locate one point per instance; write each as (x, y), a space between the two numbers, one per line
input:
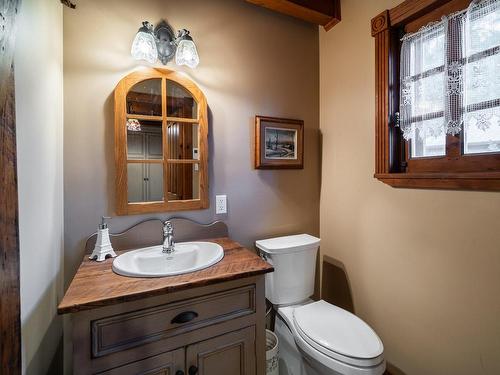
(294, 262)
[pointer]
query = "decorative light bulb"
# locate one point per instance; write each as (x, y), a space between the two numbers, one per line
(144, 45)
(186, 53)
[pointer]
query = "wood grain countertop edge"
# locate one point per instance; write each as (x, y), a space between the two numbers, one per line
(102, 273)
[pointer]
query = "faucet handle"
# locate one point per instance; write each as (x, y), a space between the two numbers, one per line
(168, 227)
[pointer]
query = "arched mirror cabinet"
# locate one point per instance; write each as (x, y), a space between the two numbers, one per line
(161, 147)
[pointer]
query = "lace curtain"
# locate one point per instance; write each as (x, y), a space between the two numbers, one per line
(450, 73)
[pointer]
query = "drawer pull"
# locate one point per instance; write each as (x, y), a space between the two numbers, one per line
(184, 317)
(179, 372)
(193, 370)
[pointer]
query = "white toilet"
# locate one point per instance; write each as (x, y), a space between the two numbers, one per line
(315, 338)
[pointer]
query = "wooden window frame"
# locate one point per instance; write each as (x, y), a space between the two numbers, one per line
(453, 171)
(123, 207)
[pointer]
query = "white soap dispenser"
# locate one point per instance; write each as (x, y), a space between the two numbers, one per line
(103, 248)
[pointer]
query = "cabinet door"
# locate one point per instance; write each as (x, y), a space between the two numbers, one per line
(154, 186)
(135, 145)
(232, 353)
(154, 145)
(170, 363)
(136, 183)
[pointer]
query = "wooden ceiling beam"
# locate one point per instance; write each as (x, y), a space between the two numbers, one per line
(320, 12)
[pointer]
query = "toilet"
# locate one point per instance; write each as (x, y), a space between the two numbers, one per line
(315, 337)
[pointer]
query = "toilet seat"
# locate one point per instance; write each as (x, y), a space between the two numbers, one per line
(361, 363)
(338, 334)
(336, 361)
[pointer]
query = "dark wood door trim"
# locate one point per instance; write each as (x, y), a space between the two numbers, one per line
(10, 321)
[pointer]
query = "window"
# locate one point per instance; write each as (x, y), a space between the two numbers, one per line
(422, 91)
(438, 94)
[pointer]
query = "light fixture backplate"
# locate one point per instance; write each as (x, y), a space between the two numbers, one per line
(165, 42)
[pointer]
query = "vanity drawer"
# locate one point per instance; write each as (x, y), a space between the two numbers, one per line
(125, 331)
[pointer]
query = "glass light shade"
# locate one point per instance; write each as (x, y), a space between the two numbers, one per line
(144, 47)
(187, 54)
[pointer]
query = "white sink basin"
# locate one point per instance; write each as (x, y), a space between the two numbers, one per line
(152, 262)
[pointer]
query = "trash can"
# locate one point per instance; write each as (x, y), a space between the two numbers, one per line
(271, 353)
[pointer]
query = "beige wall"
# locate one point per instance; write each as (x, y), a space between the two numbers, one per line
(253, 61)
(424, 266)
(39, 115)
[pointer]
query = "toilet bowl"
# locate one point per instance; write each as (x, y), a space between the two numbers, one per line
(316, 337)
(329, 340)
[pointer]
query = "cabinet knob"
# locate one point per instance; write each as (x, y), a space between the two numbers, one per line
(179, 372)
(193, 370)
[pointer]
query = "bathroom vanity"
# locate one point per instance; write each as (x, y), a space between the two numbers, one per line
(207, 322)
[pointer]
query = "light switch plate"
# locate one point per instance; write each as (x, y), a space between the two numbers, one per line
(220, 204)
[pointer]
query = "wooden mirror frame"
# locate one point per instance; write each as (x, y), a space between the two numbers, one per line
(123, 207)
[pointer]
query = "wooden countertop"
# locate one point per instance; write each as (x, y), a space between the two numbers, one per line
(96, 285)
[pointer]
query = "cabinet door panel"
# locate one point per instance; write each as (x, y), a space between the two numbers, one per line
(232, 353)
(136, 328)
(154, 146)
(136, 183)
(163, 364)
(155, 182)
(135, 145)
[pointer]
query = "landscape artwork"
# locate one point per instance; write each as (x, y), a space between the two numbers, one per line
(280, 143)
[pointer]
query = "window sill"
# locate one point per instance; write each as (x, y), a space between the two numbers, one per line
(488, 181)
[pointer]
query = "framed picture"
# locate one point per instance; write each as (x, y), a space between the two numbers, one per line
(279, 143)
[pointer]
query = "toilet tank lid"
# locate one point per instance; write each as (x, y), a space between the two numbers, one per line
(288, 244)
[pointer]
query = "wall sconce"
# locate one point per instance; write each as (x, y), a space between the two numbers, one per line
(162, 44)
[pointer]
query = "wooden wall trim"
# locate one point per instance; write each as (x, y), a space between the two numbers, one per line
(381, 32)
(412, 9)
(380, 23)
(10, 322)
(314, 12)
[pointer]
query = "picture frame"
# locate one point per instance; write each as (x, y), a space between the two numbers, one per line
(279, 143)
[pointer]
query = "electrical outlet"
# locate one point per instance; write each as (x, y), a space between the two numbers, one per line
(220, 204)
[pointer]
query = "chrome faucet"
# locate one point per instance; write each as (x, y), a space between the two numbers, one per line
(168, 238)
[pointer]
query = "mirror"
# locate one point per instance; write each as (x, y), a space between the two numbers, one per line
(183, 141)
(145, 182)
(160, 140)
(144, 98)
(145, 141)
(180, 103)
(183, 181)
